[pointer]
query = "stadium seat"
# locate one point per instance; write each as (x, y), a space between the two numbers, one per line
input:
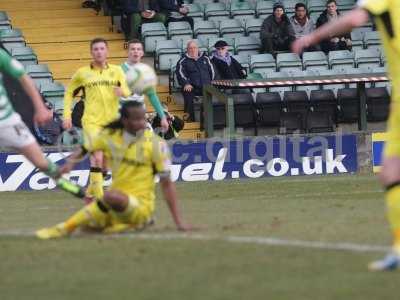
(318, 122)
(244, 60)
(340, 59)
(152, 32)
(347, 100)
(216, 11)
(291, 122)
(253, 27)
(378, 102)
(290, 4)
(54, 93)
(242, 10)
(356, 71)
(280, 89)
(4, 19)
(12, 38)
(344, 5)
(369, 58)
(40, 74)
(25, 55)
(245, 113)
(264, 8)
(196, 11)
(334, 87)
(324, 100)
(205, 29)
(180, 30)
(372, 39)
(262, 63)
(167, 54)
(316, 60)
(247, 45)
(231, 28)
(269, 105)
(357, 38)
(288, 61)
(297, 102)
(5, 26)
(316, 6)
(308, 73)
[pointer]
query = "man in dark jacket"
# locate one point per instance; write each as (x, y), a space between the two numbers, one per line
(193, 70)
(226, 67)
(276, 32)
(136, 12)
(174, 11)
(341, 42)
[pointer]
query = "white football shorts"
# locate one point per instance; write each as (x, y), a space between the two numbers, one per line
(14, 133)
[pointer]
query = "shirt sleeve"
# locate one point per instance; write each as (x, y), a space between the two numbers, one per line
(161, 157)
(75, 83)
(374, 7)
(124, 85)
(10, 65)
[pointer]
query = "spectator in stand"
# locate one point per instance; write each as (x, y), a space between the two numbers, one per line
(173, 11)
(175, 123)
(276, 32)
(338, 42)
(193, 70)
(226, 67)
(135, 13)
(302, 24)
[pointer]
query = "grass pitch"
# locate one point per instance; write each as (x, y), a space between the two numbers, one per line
(216, 261)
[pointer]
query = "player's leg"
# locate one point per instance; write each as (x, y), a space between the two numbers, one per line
(390, 179)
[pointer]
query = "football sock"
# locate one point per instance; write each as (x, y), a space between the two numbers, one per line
(94, 214)
(95, 187)
(393, 212)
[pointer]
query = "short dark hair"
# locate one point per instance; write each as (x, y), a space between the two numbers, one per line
(135, 41)
(330, 1)
(300, 4)
(97, 40)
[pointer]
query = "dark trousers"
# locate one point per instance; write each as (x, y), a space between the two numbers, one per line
(188, 98)
(130, 24)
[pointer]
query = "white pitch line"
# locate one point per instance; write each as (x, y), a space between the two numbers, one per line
(257, 240)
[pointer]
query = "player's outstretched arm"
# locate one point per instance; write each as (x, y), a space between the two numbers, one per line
(354, 18)
(152, 94)
(169, 190)
(42, 114)
(72, 160)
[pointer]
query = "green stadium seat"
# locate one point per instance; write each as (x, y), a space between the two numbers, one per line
(52, 89)
(244, 60)
(316, 6)
(40, 74)
(12, 38)
(216, 11)
(253, 27)
(4, 19)
(231, 28)
(280, 89)
(167, 54)
(262, 63)
(369, 58)
(345, 5)
(340, 59)
(288, 61)
(333, 87)
(264, 8)
(290, 4)
(152, 32)
(247, 45)
(315, 60)
(179, 30)
(357, 37)
(196, 11)
(372, 39)
(205, 29)
(242, 10)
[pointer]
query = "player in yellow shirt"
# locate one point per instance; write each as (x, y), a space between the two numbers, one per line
(386, 14)
(135, 155)
(103, 85)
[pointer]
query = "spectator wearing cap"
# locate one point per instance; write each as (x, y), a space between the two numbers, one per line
(339, 42)
(194, 70)
(276, 32)
(226, 67)
(301, 23)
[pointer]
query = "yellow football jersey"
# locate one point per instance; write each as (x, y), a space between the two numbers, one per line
(134, 161)
(101, 103)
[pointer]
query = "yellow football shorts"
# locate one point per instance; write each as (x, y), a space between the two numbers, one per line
(90, 131)
(392, 145)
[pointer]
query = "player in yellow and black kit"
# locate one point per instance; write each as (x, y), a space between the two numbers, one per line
(386, 14)
(103, 86)
(135, 155)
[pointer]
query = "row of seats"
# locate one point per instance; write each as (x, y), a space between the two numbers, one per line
(299, 112)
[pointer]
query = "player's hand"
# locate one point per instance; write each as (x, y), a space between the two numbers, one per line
(300, 44)
(188, 87)
(118, 91)
(164, 124)
(67, 124)
(43, 116)
(65, 168)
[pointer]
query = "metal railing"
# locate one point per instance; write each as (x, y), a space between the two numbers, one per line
(214, 91)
